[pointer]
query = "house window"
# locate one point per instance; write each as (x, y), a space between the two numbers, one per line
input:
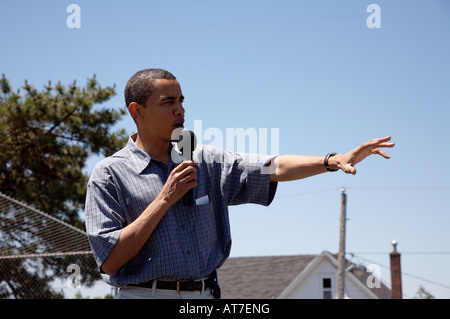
(326, 288)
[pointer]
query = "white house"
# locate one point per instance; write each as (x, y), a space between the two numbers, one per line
(296, 277)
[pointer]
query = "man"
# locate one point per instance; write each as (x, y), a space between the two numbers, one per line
(144, 239)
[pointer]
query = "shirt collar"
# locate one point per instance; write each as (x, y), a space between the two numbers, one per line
(141, 159)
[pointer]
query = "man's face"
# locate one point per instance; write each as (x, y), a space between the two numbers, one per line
(163, 111)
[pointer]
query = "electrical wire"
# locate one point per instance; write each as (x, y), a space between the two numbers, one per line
(366, 188)
(403, 273)
(406, 253)
(310, 192)
(398, 187)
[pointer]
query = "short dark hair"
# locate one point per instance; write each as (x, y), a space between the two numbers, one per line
(140, 86)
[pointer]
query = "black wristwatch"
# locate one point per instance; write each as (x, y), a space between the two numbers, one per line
(325, 162)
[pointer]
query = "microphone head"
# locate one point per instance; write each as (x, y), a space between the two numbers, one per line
(187, 142)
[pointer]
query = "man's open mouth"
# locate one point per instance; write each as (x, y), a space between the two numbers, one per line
(179, 123)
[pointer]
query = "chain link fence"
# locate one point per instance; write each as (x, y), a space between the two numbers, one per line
(53, 276)
(42, 257)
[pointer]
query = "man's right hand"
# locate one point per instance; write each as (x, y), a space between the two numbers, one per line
(180, 181)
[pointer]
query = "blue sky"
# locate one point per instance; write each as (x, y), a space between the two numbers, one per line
(313, 70)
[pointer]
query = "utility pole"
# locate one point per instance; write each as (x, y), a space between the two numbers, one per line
(341, 255)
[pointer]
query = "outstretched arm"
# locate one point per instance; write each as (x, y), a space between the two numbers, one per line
(293, 167)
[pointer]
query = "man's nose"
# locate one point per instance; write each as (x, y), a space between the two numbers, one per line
(179, 109)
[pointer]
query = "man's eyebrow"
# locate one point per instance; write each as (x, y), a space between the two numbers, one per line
(170, 98)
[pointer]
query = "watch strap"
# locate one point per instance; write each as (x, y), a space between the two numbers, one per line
(325, 162)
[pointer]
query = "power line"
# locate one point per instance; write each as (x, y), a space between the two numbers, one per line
(367, 188)
(403, 273)
(310, 192)
(398, 187)
(406, 253)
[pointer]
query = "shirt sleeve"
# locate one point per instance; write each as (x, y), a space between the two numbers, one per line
(246, 179)
(102, 214)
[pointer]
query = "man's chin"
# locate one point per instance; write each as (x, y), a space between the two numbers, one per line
(176, 133)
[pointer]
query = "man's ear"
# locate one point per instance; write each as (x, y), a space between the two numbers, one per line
(135, 110)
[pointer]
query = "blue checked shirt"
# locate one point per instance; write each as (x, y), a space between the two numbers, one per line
(190, 241)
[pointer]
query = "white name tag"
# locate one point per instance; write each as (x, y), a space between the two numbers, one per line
(202, 200)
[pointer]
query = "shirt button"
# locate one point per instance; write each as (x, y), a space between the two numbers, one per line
(188, 253)
(182, 227)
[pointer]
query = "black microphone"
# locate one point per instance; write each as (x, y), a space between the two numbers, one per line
(186, 144)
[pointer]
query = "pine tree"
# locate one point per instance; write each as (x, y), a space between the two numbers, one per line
(46, 137)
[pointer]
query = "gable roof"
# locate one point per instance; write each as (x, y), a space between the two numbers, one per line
(274, 276)
(259, 277)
